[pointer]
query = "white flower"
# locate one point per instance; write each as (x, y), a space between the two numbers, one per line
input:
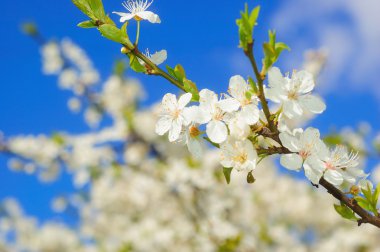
(210, 112)
(307, 148)
(238, 89)
(191, 137)
(341, 165)
(172, 118)
(157, 58)
(138, 10)
(294, 93)
(239, 155)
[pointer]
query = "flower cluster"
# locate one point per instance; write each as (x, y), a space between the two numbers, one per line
(234, 123)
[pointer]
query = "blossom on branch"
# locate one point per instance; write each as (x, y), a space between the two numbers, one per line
(294, 93)
(138, 10)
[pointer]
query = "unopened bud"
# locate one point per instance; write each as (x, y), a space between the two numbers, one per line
(125, 50)
(354, 190)
(250, 178)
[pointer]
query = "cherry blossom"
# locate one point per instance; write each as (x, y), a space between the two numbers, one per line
(172, 118)
(294, 93)
(138, 10)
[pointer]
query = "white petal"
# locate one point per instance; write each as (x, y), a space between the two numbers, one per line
(291, 161)
(184, 100)
(169, 102)
(207, 98)
(313, 103)
(275, 78)
(333, 177)
(313, 169)
(237, 87)
(290, 142)
(197, 115)
(163, 125)
(175, 130)
(150, 16)
(307, 81)
(229, 105)
(159, 57)
(310, 135)
(250, 113)
(195, 147)
(292, 109)
(217, 131)
(124, 16)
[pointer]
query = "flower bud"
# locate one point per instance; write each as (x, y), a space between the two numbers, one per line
(125, 50)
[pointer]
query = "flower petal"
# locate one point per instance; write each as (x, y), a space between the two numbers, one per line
(159, 57)
(307, 81)
(184, 100)
(150, 16)
(290, 142)
(291, 161)
(175, 130)
(313, 103)
(163, 125)
(229, 105)
(275, 78)
(333, 177)
(237, 87)
(251, 114)
(292, 109)
(217, 131)
(313, 169)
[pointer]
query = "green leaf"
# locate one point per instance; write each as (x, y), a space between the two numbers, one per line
(135, 64)
(272, 50)
(246, 26)
(113, 33)
(345, 212)
(87, 24)
(85, 8)
(97, 8)
(253, 85)
(180, 72)
(190, 87)
(124, 28)
(93, 9)
(227, 174)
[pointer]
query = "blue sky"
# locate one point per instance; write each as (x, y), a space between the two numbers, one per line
(202, 36)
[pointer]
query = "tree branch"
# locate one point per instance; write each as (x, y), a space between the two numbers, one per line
(260, 81)
(351, 203)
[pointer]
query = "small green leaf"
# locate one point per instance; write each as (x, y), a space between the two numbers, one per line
(180, 72)
(87, 24)
(85, 8)
(345, 212)
(135, 64)
(253, 85)
(190, 87)
(227, 174)
(113, 33)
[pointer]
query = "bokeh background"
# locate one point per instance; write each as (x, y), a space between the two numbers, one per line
(202, 36)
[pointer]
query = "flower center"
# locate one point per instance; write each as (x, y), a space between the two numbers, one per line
(292, 95)
(194, 131)
(329, 166)
(304, 154)
(218, 114)
(242, 158)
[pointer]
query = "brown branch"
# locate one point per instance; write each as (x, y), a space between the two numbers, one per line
(351, 203)
(366, 217)
(260, 81)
